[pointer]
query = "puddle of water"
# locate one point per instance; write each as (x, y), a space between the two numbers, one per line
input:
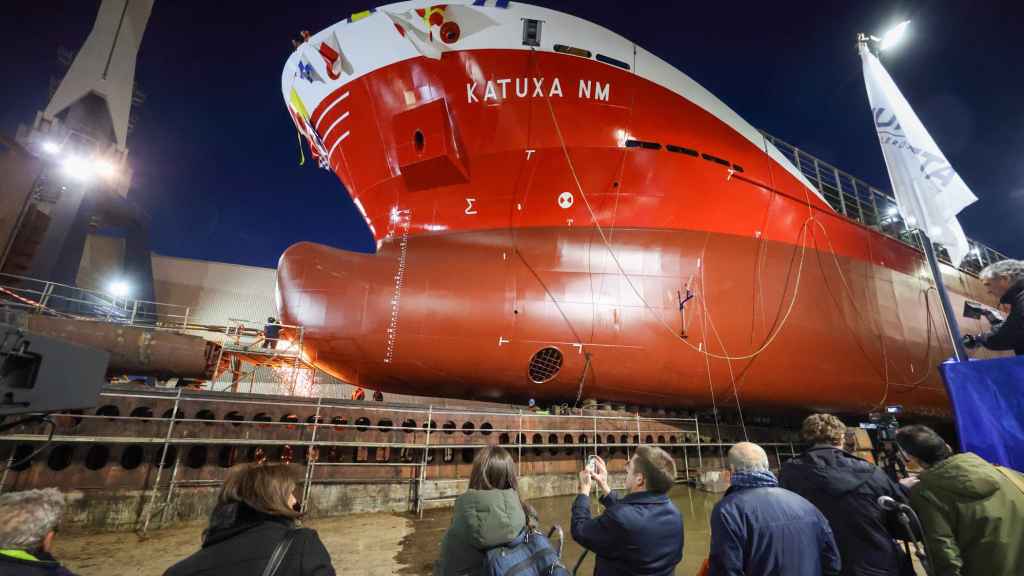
(420, 548)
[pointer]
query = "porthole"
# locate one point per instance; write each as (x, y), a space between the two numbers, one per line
(132, 457)
(109, 411)
(545, 364)
(196, 457)
(168, 459)
(226, 456)
(20, 453)
(177, 414)
(97, 457)
(60, 457)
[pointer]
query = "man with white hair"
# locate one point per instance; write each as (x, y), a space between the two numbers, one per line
(28, 523)
(1004, 280)
(759, 528)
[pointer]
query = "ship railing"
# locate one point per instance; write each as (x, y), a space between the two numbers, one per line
(20, 294)
(309, 441)
(872, 207)
(61, 300)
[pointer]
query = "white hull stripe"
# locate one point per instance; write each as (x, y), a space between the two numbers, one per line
(327, 134)
(340, 138)
(328, 109)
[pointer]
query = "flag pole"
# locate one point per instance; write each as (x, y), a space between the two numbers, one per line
(959, 351)
(952, 328)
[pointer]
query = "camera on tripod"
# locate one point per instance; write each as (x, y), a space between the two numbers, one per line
(881, 428)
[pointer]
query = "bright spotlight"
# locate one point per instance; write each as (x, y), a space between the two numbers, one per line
(892, 211)
(50, 147)
(119, 289)
(77, 168)
(105, 168)
(892, 37)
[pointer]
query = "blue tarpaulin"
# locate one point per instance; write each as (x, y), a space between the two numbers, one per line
(988, 403)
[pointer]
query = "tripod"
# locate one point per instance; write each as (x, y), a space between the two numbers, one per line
(890, 460)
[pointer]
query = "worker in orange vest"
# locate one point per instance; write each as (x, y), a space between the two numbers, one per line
(358, 394)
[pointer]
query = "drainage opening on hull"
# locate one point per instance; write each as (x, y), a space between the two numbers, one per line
(545, 365)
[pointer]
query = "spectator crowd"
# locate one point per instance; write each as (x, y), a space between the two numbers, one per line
(822, 515)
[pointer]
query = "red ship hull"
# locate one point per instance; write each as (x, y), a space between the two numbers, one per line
(519, 203)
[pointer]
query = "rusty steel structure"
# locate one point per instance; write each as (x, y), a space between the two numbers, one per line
(166, 442)
(135, 350)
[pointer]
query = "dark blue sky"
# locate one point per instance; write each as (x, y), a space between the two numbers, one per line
(216, 159)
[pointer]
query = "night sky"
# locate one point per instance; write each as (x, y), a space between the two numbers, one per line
(215, 153)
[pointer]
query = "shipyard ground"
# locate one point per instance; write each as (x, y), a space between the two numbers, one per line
(370, 544)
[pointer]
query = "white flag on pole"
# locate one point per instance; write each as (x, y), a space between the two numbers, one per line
(928, 191)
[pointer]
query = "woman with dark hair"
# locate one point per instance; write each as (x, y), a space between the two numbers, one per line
(489, 514)
(253, 525)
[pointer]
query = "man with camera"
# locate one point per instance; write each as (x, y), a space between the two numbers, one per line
(1004, 280)
(639, 533)
(846, 489)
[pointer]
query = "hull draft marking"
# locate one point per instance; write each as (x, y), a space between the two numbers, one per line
(403, 219)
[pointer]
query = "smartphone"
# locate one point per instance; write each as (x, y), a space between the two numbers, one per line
(592, 463)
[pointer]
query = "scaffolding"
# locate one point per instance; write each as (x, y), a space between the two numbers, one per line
(414, 439)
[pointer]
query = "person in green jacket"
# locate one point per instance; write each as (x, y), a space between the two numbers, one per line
(972, 512)
(491, 513)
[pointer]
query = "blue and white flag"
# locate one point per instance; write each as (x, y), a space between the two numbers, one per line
(929, 193)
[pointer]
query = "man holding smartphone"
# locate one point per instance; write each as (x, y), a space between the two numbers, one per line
(640, 532)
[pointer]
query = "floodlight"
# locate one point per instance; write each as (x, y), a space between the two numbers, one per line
(77, 168)
(105, 168)
(893, 36)
(119, 289)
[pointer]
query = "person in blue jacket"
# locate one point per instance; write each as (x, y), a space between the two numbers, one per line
(760, 529)
(639, 533)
